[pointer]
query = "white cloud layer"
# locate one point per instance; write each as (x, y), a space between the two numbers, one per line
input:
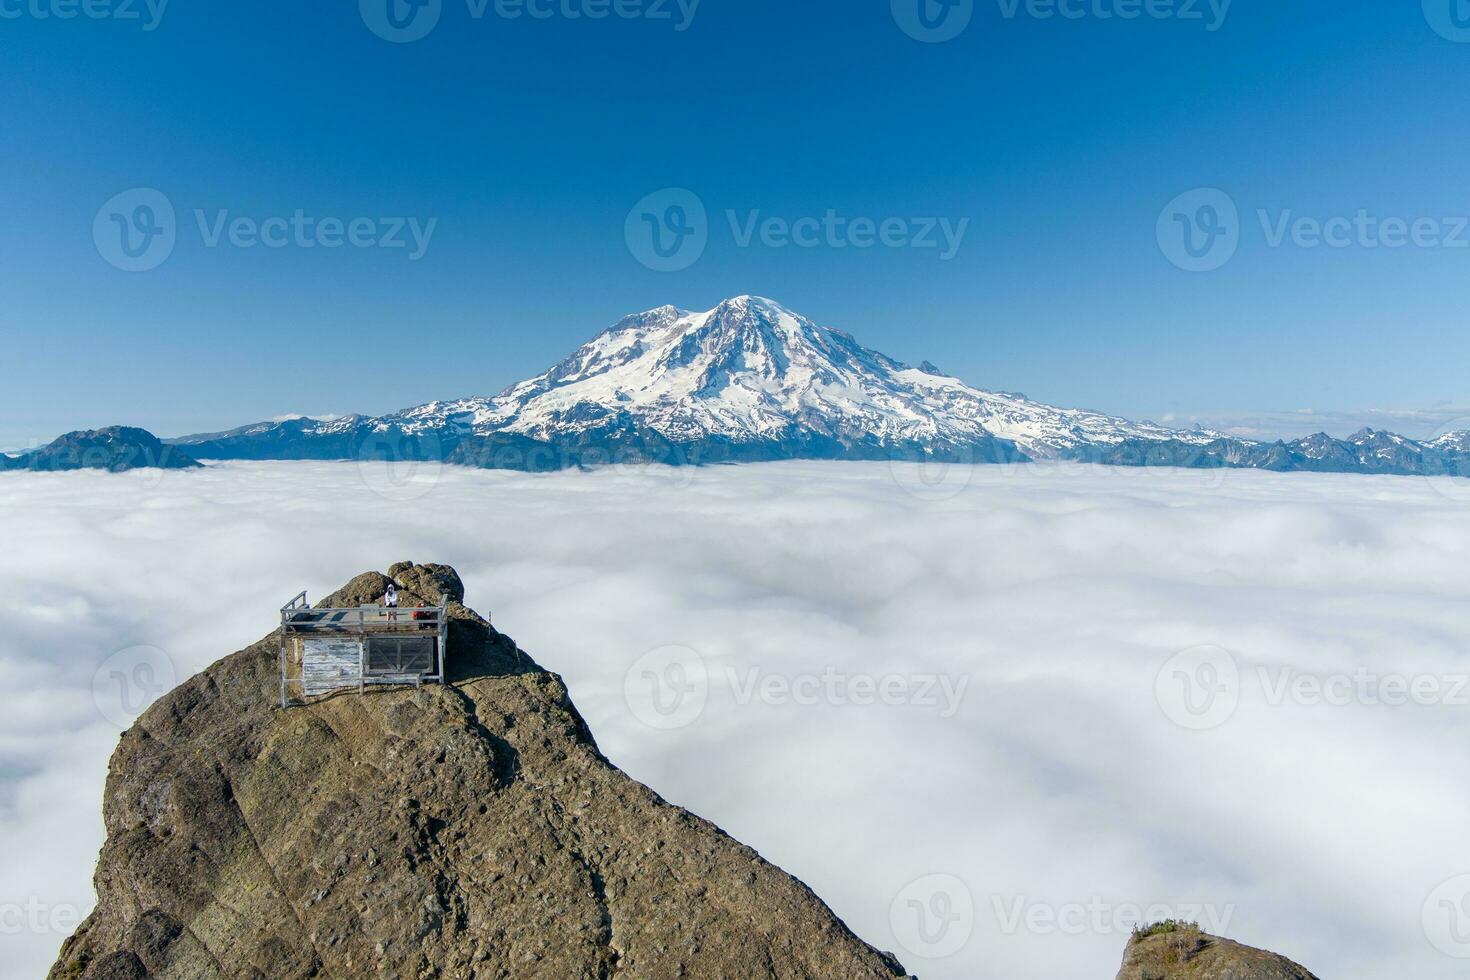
(1017, 785)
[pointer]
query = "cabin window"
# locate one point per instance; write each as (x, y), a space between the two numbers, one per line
(400, 655)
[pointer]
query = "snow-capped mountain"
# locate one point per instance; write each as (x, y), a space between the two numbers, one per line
(751, 371)
(752, 380)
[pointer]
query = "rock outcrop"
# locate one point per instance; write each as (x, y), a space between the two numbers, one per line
(470, 830)
(1189, 954)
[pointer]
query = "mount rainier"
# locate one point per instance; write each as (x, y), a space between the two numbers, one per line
(751, 380)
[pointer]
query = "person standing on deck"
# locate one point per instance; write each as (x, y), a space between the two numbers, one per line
(390, 599)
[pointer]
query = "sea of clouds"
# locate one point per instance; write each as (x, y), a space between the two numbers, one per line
(992, 715)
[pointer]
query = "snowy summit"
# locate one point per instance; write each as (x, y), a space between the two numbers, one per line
(750, 370)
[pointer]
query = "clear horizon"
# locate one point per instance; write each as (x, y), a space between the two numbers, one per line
(1001, 203)
(1259, 426)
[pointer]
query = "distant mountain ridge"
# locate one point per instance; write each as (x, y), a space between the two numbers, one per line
(116, 449)
(751, 380)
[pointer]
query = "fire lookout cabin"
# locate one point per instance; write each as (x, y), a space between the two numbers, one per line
(328, 650)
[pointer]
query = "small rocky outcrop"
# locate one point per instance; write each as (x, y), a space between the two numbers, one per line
(470, 830)
(116, 448)
(1182, 952)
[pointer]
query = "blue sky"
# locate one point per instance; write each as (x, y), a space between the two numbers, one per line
(520, 145)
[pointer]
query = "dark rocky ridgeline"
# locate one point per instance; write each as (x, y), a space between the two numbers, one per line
(115, 448)
(617, 440)
(1183, 952)
(471, 830)
(621, 439)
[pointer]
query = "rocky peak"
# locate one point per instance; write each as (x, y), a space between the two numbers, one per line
(659, 317)
(428, 581)
(1182, 952)
(469, 830)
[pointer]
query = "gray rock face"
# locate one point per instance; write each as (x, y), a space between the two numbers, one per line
(471, 830)
(1189, 954)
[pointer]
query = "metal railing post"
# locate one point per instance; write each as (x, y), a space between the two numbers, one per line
(443, 633)
(283, 660)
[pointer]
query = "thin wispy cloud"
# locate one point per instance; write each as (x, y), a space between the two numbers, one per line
(920, 692)
(1415, 423)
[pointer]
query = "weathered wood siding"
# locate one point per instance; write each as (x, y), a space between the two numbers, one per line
(328, 664)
